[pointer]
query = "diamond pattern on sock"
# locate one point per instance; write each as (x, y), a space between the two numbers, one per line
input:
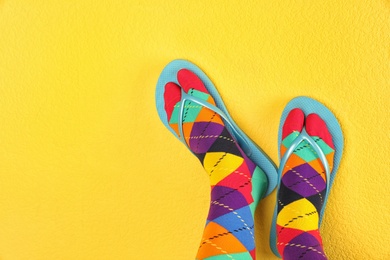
(302, 190)
(229, 230)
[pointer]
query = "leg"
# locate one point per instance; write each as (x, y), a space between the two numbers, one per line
(236, 182)
(302, 190)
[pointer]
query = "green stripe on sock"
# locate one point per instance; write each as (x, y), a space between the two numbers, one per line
(259, 187)
(236, 256)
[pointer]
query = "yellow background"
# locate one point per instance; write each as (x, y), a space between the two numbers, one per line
(87, 170)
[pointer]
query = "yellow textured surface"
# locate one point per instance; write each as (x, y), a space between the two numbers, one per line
(87, 171)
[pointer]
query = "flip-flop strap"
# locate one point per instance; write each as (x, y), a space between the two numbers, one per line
(301, 137)
(186, 97)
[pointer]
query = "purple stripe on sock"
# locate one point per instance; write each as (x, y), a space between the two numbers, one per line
(251, 166)
(305, 247)
(304, 180)
(229, 200)
(203, 135)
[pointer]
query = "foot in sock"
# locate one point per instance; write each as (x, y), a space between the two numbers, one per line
(302, 190)
(234, 178)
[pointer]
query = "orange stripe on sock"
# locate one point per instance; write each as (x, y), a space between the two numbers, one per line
(293, 161)
(319, 167)
(217, 241)
(207, 115)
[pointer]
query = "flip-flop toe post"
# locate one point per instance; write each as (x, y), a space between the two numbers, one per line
(171, 76)
(303, 119)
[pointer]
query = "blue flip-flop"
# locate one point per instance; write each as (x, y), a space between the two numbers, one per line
(169, 74)
(308, 106)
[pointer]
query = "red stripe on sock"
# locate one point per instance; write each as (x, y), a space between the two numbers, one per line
(189, 80)
(294, 122)
(315, 126)
(172, 95)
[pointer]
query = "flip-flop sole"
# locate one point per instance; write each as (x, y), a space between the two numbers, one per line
(169, 74)
(308, 106)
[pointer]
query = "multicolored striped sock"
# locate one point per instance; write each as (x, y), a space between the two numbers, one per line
(302, 190)
(237, 184)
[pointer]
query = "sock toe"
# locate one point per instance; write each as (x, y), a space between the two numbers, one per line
(188, 80)
(294, 122)
(315, 126)
(172, 95)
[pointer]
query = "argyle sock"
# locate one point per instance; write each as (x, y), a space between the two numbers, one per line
(303, 189)
(235, 185)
